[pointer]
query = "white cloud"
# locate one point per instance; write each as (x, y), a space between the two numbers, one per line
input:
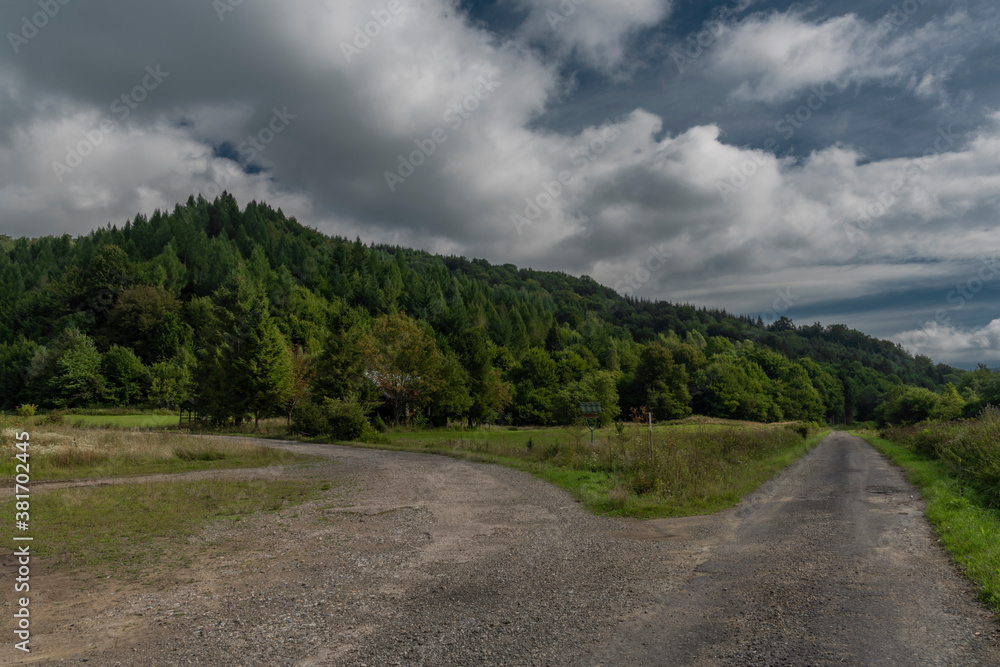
(770, 57)
(632, 190)
(113, 179)
(969, 346)
(598, 32)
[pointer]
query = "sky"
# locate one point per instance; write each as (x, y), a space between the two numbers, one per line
(825, 161)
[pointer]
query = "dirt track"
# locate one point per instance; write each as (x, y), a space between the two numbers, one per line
(428, 560)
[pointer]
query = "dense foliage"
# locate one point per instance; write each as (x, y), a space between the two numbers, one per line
(253, 314)
(971, 448)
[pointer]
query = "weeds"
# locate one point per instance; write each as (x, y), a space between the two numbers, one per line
(969, 531)
(970, 449)
(696, 466)
(60, 452)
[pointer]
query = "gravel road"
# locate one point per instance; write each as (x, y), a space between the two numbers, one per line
(831, 563)
(424, 560)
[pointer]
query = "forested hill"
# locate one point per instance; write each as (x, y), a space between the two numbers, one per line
(173, 305)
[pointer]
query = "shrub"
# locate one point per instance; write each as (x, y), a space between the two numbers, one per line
(346, 419)
(54, 417)
(26, 410)
(972, 449)
(911, 405)
(309, 419)
(976, 455)
(342, 419)
(929, 441)
(800, 428)
(644, 477)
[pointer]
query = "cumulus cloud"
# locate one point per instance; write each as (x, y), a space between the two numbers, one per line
(422, 128)
(597, 32)
(769, 57)
(969, 346)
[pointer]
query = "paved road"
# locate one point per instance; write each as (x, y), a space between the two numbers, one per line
(831, 563)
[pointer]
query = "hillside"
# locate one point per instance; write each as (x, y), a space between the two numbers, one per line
(207, 298)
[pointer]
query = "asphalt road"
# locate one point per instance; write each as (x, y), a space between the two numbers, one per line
(831, 563)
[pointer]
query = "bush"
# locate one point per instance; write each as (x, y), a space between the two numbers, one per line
(54, 417)
(972, 449)
(930, 441)
(910, 405)
(26, 410)
(337, 418)
(346, 419)
(976, 455)
(310, 419)
(800, 428)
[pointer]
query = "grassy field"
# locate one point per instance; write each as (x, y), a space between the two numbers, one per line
(117, 421)
(697, 466)
(65, 452)
(140, 530)
(969, 530)
(137, 529)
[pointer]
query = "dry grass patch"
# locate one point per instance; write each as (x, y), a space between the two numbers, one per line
(65, 452)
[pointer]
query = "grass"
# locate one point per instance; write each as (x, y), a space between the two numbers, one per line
(118, 421)
(137, 529)
(969, 530)
(65, 452)
(140, 530)
(697, 466)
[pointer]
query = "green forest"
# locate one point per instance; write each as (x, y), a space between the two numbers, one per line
(252, 315)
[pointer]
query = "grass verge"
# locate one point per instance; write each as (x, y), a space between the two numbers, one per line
(120, 421)
(140, 530)
(969, 532)
(65, 452)
(689, 469)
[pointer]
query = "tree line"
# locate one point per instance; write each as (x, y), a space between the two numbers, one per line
(254, 315)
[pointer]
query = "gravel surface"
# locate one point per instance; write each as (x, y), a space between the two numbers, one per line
(409, 559)
(425, 560)
(830, 563)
